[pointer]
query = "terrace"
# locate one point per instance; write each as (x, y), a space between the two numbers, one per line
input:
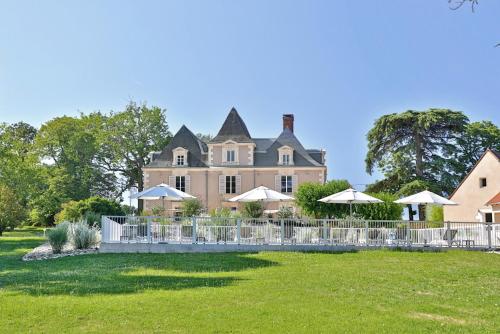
(164, 234)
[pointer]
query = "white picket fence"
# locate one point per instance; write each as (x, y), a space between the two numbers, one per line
(215, 230)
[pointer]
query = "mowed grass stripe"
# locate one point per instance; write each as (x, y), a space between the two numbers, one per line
(369, 292)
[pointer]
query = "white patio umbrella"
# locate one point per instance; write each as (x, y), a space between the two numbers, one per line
(262, 194)
(350, 196)
(164, 192)
(425, 197)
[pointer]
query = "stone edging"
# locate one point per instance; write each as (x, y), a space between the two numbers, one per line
(44, 252)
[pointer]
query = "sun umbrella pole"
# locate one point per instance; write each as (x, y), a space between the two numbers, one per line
(350, 208)
(163, 204)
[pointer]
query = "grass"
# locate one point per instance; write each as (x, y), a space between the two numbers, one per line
(364, 292)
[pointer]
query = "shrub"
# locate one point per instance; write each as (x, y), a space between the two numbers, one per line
(380, 211)
(253, 209)
(158, 211)
(285, 212)
(11, 211)
(191, 207)
(58, 236)
(220, 213)
(435, 215)
(83, 236)
(93, 218)
(77, 210)
(309, 193)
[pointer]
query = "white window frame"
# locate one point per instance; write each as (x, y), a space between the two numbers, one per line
(231, 181)
(181, 160)
(179, 180)
(179, 153)
(285, 151)
(287, 184)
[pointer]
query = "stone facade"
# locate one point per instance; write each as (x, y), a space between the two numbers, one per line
(233, 163)
(476, 190)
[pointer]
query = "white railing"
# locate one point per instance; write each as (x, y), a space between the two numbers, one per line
(218, 230)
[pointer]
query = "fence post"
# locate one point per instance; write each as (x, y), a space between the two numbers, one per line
(366, 232)
(325, 232)
(489, 229)
(193, 220)
(104, 233)
(282, 231)
(408, 232)
(149, 229)
(238, 230)
(448, 233)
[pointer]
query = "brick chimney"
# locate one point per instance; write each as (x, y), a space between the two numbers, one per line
(288, 121)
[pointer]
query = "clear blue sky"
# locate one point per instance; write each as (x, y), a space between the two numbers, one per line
(336, 65)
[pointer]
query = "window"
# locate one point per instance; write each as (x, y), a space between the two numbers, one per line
(488, 217)
(230, 156)
(230, 184)
(482, 182)
(180, 183)
(285, 158)
(286, 184)
(180, 160)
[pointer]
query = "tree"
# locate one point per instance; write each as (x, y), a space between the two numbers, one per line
(69, 147)
(78, 210)
(253, 209)
(204, 137)
(127, 139)
(191, 207)
(409, 145)
(456, 4)
(11, 210)
(19, 167)
(309, 193)
(471, 145)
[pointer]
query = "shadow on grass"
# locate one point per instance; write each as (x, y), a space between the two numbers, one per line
(118, 273)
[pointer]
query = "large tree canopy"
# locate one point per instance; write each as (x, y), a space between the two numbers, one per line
(409, 145)
(127, 139)
(431, 150)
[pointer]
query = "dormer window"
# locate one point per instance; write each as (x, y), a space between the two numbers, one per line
(285, 159)
(230, 153)
(230, 156)
(179, 156)
(180, 160)
(285, 156)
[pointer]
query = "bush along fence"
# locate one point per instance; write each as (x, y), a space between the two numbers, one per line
(247, 231)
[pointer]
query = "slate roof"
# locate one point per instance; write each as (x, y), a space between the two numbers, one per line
(233, 129)
(269, 157)
(197, 150)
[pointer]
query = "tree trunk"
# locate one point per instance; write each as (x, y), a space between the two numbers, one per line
(410, 212)
(140, 187)
(419, 168)
(421, 212)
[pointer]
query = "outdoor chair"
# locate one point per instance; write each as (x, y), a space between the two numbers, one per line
(373, 237)
(447, 235)
(289, 235)
(246, 235)
(395, 238)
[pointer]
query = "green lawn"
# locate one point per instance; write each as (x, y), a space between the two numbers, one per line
(365, 292)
